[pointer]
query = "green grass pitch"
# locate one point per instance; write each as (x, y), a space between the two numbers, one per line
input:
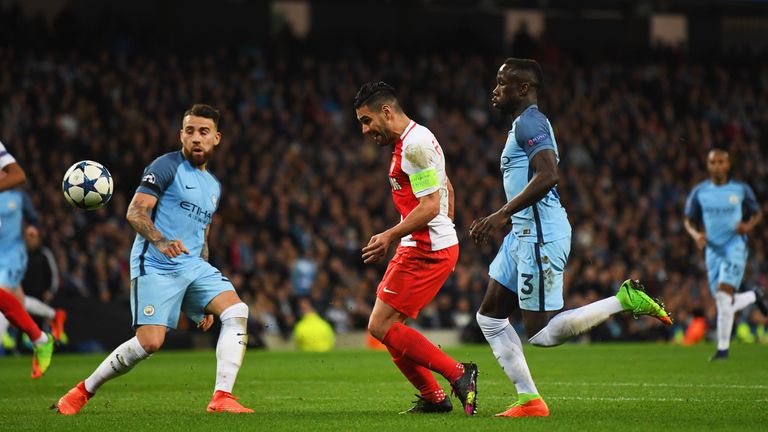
(612, 387)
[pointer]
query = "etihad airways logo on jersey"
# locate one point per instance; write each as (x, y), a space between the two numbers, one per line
(196, 212)
(395, 185)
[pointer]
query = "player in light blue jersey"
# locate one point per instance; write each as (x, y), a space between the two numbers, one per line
(171, 213)
(720, 204)
(13, 262)
(527, 272)
(15, 209)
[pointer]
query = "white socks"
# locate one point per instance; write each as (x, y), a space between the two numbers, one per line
(742, 300)
(230, 348)
(118, 362)
(38, 308)
(725, 314)
(570, 323)
(508, 350)
(727, 306)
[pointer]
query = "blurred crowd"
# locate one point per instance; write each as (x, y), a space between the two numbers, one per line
(303, 191)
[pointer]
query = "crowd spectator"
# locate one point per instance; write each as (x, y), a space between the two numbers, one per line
(300, 189)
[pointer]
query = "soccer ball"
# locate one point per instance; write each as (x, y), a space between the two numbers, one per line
(87, 185)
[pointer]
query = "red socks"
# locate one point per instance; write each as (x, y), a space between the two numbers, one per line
(412, 345)
(419, 376)
(14, 311)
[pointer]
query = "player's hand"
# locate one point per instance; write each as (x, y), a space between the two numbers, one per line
(743, 228)
(171, 248)
(377, 248)
(482, 229)
(701, 241)
(205, 323)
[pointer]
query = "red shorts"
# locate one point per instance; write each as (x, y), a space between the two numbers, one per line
(414, 276)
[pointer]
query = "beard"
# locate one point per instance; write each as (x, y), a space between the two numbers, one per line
(198, 158)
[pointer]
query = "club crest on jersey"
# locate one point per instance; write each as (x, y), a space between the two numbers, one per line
(213, 199)
(733, 199)
(149, 178)
(149, 310)
(395, 185)
(12, 205)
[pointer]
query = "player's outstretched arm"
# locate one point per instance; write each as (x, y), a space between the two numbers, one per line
(138, 216)
(545, 177)
(14, 176)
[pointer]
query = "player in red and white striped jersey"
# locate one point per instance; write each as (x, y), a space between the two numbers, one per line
(427, 253)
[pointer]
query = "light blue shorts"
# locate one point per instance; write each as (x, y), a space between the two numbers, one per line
(13, 267)
(12, 277)
(726, 264)
(156, 299)
(533, 271)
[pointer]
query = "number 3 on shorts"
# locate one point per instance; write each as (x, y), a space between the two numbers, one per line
(527, 282)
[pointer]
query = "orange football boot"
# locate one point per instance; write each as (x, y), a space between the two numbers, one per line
(527, 406)
(225, 402)
(72, 402)
(57, 324)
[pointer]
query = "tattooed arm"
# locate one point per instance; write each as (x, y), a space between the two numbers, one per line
(204, 252)
(138, 216)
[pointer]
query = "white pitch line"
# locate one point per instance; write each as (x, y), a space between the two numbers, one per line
(549, 397)
(682, 385)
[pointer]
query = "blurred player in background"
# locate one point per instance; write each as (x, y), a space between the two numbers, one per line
(427, 253)
(13, 261)
(171, 212)
(719, 203)
(527, 272)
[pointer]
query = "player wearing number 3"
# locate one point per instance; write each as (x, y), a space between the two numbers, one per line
(527, 272)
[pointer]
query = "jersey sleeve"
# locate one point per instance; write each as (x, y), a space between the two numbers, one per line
(692, 206)
(5, 157)
(420, 162)
(532, 134)
(158, 176)
(750, 201)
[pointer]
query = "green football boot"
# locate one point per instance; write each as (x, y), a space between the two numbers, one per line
(633, 298)
(41, 357)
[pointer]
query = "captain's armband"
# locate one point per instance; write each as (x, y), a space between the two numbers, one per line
(423, 180)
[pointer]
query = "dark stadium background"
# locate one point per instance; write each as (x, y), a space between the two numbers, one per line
(637, 91)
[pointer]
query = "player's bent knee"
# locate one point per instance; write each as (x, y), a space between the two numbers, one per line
(377, 329)
(237, 310)
(152, 344)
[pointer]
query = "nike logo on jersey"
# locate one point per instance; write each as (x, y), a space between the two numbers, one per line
(524, 298)
(388, 291)
(190, 187)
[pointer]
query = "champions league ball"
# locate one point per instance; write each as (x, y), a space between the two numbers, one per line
(87, 185)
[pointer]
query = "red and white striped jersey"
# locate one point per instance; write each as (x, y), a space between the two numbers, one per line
(417, 170)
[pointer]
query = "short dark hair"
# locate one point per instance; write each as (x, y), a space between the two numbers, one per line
(527, 65)
(376, 94)
(203, 110)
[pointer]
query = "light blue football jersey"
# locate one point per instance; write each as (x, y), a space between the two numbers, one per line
(720, 208)
(15, 207)
(545, 221)
(186, 200)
